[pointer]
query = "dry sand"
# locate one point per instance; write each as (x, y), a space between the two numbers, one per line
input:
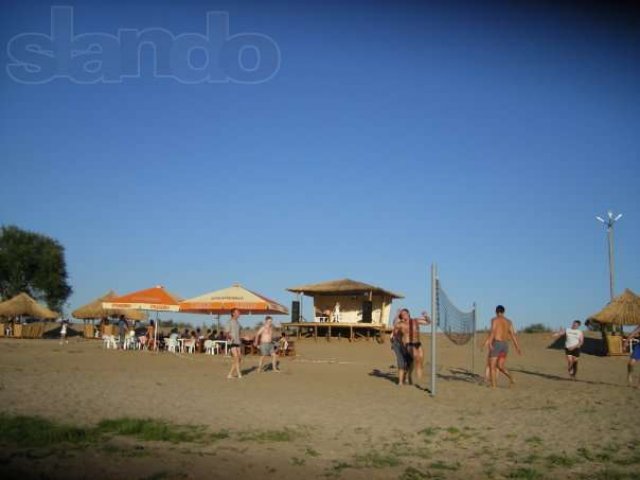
(333, 412)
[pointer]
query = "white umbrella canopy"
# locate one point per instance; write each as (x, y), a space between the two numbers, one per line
(223, 301)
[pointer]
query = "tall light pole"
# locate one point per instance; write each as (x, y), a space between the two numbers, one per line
(609, 221)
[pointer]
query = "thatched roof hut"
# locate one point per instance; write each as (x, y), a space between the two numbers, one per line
(345, 286)
(23, 304)
(349, 298)
(622, 310)
(94, 310)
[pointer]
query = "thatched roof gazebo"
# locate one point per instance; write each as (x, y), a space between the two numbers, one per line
(94, 310)
(622, 310)
(23, 305)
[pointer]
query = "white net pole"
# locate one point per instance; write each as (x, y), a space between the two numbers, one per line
(434, 326)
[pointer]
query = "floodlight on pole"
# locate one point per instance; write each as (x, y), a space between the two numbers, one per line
(609, 222)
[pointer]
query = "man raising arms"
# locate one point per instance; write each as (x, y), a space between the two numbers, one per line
(574, 338)
(501, 332)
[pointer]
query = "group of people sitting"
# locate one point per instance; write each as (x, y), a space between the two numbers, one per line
(137, 336)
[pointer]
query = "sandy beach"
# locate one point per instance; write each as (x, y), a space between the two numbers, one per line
(333, 412)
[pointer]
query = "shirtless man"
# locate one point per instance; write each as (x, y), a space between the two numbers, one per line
(410, 331)
(403, 359)
(235, 344)
(501, 332)
(265, 336)
(634, 357)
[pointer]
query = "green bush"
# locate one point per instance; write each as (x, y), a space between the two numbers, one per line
(537, 328)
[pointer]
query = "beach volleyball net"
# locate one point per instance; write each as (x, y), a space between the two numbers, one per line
(458, 326)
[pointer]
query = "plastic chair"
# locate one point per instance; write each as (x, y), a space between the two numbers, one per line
(172, 345)
(190, 346)
(130, 341)
(109, 341)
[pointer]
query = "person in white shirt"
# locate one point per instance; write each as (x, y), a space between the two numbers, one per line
(574, 338)
(63, 333)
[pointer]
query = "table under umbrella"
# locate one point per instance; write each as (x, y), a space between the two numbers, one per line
(155, 299)
(221, 302)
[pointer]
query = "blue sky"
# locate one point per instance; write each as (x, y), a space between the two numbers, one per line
(393, 135)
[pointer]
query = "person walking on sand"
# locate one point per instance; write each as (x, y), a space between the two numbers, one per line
(264, 339)
(403, 359)
(501, 332)
(123, 327)
(410, 328)
(151, 335)
(574, 338)
(487, 367)
(235, 343)
(634, 357)
(63, 332)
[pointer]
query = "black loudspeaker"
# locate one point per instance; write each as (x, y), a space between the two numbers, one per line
(367, 310)
(295, 311)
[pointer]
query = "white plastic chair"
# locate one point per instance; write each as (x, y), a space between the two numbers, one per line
(109, 341)
(190, 346)
(172, 345)
(208, 347)
(130, 341)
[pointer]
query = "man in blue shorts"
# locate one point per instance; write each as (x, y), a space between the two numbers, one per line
(634, 357)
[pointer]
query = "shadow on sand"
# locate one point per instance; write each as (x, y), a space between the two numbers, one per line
(558, 378)
(247, 371)
(461, 375)
(393, 378)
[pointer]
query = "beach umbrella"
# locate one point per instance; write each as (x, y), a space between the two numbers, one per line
(221, 302)
(23, 304)
(94, 309)
(155, 299)
(622, 310)
(227, 299)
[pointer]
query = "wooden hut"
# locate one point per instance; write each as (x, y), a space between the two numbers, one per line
(345, 306)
